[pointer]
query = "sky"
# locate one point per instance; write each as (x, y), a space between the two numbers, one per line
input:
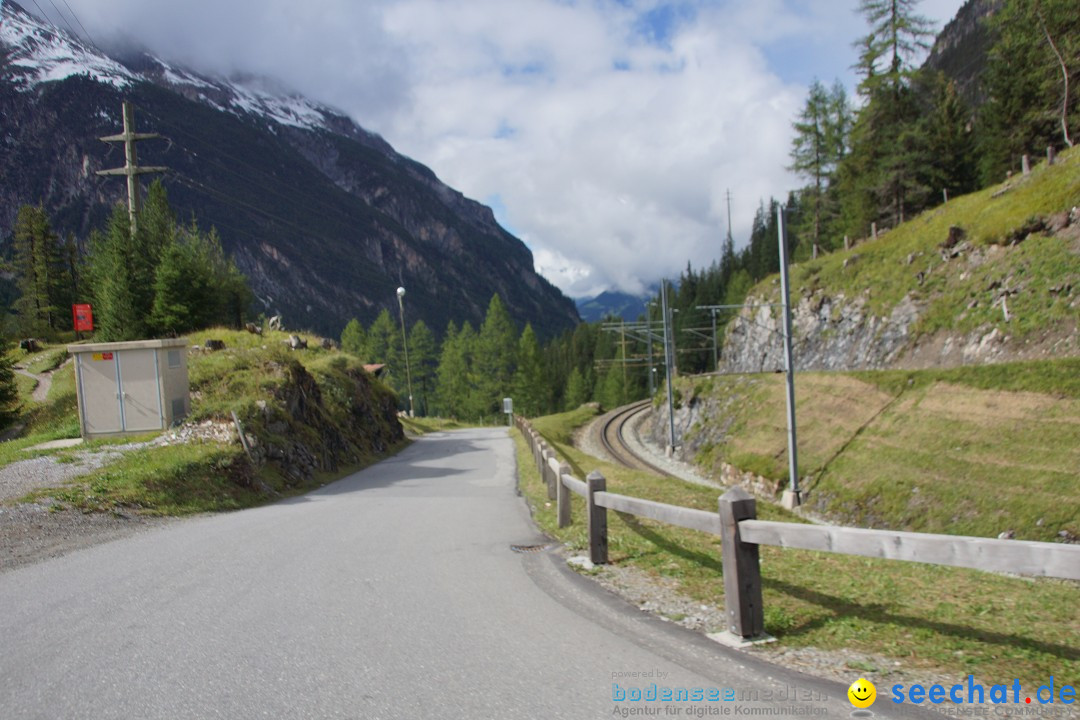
(606, 134)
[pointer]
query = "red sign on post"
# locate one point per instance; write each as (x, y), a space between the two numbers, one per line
(84, 318)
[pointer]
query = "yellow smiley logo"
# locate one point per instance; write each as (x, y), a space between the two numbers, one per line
(862, 693)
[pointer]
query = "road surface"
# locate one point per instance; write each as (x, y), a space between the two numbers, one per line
(390, 594)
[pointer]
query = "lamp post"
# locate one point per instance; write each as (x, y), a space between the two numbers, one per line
(405, 344)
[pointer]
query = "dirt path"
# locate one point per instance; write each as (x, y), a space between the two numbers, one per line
(44, 382)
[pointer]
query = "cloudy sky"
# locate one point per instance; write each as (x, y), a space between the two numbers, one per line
(605, 133)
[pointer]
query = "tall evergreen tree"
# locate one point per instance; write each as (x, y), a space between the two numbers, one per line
(39, 267)
(1028, 108)
(495, 357)
(117, 313)
(812, 155)
(354, 339)
(530, 389)
(880, 178)
(9, 392)
(423, 360)
(577, 391)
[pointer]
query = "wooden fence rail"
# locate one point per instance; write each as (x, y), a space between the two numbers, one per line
(742, 533)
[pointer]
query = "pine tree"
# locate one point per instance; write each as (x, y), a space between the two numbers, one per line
(39, 271)
(1026, 83)
(455, 373)
(384, 346)
(354, 339)
(495, 357)
(176, 290)
(116, 311)
(577, 391)
(530, 389)
(423, 359)
(9, 393)
(880, 178)
(812, 155)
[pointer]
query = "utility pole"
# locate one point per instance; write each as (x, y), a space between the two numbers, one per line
(622, 344)
(131, 164)
(729, 213)
(792, 497)
(715, 345)
(648, 334)
(667, 367)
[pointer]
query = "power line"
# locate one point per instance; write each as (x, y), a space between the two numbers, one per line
(307, 198)
(81, 25)
(70, 29)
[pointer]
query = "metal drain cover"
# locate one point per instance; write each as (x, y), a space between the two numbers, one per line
(531, 548)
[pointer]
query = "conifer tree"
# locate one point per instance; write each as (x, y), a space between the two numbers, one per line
(530, 390)
(39, 271)
(423, 360)
(117, 314)
(495, 359)
(1028, 108)
(577, 391)
(354, 339)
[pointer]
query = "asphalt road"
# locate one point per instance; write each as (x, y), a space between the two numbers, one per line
(390, 594)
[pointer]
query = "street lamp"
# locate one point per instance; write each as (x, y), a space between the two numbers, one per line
(405, 344)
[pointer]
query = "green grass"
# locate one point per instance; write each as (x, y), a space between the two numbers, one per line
(945, 620)
(880, 272)
(425, 425)
(969, 451)
(322, 398)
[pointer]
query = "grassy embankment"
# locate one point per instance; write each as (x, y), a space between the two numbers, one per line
(958, 295)
(969, 451)
(940, 619)
(259, 379)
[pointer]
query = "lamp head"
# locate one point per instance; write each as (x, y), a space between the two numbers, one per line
(401, 292)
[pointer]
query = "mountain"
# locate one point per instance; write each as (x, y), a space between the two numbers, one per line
(324, 217)
(961, 49)
(606, 304)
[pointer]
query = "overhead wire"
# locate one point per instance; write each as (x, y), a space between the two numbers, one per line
(85, 32)
(311, 199)
(67, 24)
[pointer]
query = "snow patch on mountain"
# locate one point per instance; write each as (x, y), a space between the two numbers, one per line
(39, 53)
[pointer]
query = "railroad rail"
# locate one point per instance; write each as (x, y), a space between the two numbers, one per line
(611, 436)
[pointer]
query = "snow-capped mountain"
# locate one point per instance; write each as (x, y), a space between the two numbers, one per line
(324, 217)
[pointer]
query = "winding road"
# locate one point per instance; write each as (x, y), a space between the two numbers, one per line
(390, 594)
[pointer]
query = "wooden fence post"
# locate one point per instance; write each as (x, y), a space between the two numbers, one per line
(597, 519)
(549, 474)
(1051, 155)
(562, 496)
(1025, 163)
(742, 572)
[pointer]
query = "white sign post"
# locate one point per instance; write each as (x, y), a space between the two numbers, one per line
(508, 408)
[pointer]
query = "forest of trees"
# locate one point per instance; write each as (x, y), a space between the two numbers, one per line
(166, 280)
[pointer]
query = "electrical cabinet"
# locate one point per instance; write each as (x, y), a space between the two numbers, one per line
(131, 387)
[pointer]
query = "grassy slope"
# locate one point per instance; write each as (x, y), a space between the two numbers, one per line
(209, 476)
(942, 619)
(971, 450)
(880, 271)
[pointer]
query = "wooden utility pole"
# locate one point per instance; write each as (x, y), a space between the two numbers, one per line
(131, 164)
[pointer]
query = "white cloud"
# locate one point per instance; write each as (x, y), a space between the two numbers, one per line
(610, 135)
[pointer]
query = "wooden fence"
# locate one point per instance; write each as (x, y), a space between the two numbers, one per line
(741, 533)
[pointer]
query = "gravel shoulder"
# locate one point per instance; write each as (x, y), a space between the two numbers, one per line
(32, 532)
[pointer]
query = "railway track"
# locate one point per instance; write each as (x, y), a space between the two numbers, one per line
(611, 436)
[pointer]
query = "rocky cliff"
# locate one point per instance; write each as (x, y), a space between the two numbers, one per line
(324, 217)
(991, 277)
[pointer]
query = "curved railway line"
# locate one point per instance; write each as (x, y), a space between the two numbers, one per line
(611, 436)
